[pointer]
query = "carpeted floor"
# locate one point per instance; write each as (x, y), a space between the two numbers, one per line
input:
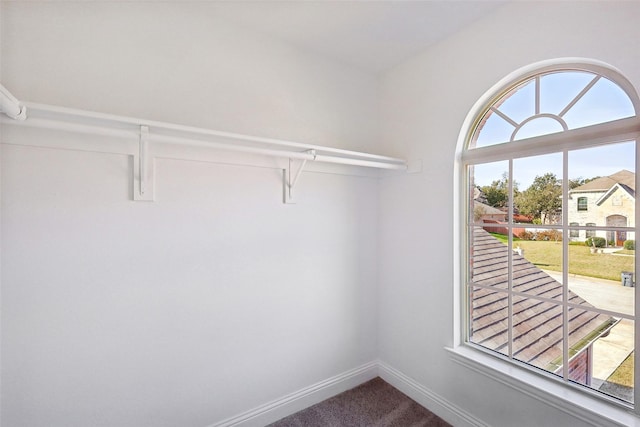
(372, 404)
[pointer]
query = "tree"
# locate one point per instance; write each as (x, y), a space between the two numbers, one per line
(497, 193)
(478, 213)
(542, 199)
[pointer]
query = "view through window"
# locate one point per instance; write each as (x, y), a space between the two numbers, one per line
(550, 229)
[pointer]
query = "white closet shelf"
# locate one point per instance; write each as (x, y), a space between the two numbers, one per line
(149, 131)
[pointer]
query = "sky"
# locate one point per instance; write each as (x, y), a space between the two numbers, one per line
(602, 102)
(587, 163)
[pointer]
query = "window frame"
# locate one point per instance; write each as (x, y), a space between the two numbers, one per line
(473, 356)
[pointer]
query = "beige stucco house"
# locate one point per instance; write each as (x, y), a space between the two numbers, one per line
(605, 201)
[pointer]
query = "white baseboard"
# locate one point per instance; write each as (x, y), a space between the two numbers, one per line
(438, 405)
(308, 396)
(301, 399)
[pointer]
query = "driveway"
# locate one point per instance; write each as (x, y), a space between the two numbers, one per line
(610, 351)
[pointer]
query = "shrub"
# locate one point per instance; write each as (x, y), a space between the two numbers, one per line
(598, 242)
(541, 235)
(630, 245)
(527, 235)
(549, 235)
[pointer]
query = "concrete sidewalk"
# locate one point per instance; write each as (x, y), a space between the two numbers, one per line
(610, 351)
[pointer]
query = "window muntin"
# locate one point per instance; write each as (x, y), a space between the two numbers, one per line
(565, 330)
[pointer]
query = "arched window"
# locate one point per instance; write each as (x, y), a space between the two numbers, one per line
(560, 143)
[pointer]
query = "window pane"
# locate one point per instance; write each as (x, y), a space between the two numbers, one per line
(602, 191)
(489, 322)
(557, 90)
(601, 352)
(537, 262)
(489, 193)
(613, 367)
(603, 279)
(520, 103)
(604, 102)
(539, 184)
(493, 129)
(537, 333)
(489, 259)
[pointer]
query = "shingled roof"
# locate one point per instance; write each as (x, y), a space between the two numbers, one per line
(624, 177)
(537, 325)
(488, 210)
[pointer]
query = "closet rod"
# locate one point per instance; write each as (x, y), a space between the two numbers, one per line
(135, 135)
(88, 122)
(11, 106)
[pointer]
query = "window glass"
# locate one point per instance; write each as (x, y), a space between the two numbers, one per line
(604, 102)
(550, 103)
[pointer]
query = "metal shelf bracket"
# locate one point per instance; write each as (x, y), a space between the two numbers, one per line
(143, 173)
(290, 178)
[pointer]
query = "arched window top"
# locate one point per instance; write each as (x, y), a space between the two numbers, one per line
(552, 101)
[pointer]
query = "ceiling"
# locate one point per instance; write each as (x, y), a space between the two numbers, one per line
(371, 35)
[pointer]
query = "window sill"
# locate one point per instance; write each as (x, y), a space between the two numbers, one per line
(590, 409)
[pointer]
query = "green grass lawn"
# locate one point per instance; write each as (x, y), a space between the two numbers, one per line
(625, 252)
(623, 375)
(548, 256)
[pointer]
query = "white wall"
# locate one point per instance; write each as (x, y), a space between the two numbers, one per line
(215, 298)
(424, 102)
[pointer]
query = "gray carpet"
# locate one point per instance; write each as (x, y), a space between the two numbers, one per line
(372, 404)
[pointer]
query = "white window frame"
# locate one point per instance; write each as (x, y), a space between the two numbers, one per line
(592, 407)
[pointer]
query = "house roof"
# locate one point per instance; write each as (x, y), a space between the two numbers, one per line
(612, 190)
(488, 210)
(537, 325)
(624, 177)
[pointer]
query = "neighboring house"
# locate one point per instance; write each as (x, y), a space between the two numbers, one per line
(537, 325)
(490, 215)
(485, 213)
(605, 201)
